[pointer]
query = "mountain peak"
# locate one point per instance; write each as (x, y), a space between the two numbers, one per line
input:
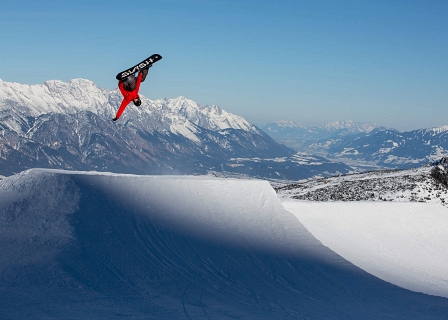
(438, 130)
(350, 125)
(288, 124)
(56, 96)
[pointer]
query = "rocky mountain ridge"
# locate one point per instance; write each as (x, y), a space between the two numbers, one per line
(68, 126)
(425, 184)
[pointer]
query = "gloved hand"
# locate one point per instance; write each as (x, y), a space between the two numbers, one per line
(114, 119)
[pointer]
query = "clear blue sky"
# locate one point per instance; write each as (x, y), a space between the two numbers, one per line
(310, 61)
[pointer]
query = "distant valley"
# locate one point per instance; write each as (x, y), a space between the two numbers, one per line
(364, 146)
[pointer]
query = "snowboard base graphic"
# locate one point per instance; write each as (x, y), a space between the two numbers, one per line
(147, 63)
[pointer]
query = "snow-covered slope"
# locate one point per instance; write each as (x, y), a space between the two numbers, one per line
(424, 184)
(104, 246)
(373, 220)
(402, 243)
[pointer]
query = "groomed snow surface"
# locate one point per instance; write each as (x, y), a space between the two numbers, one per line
(104, 246)
(403, 243)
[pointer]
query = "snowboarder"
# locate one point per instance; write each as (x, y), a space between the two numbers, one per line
(129, 88)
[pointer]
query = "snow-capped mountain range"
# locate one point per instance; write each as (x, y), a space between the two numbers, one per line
(67, 125)
(385, 148)
(79, 95)
(331, 126)
(364, 145)
(295, 135)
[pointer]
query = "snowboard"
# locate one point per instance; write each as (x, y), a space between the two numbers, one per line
(147, 63)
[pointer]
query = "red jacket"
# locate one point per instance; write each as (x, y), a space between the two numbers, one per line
(128, 96)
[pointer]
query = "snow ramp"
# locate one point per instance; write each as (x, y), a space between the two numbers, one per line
(80, 245)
